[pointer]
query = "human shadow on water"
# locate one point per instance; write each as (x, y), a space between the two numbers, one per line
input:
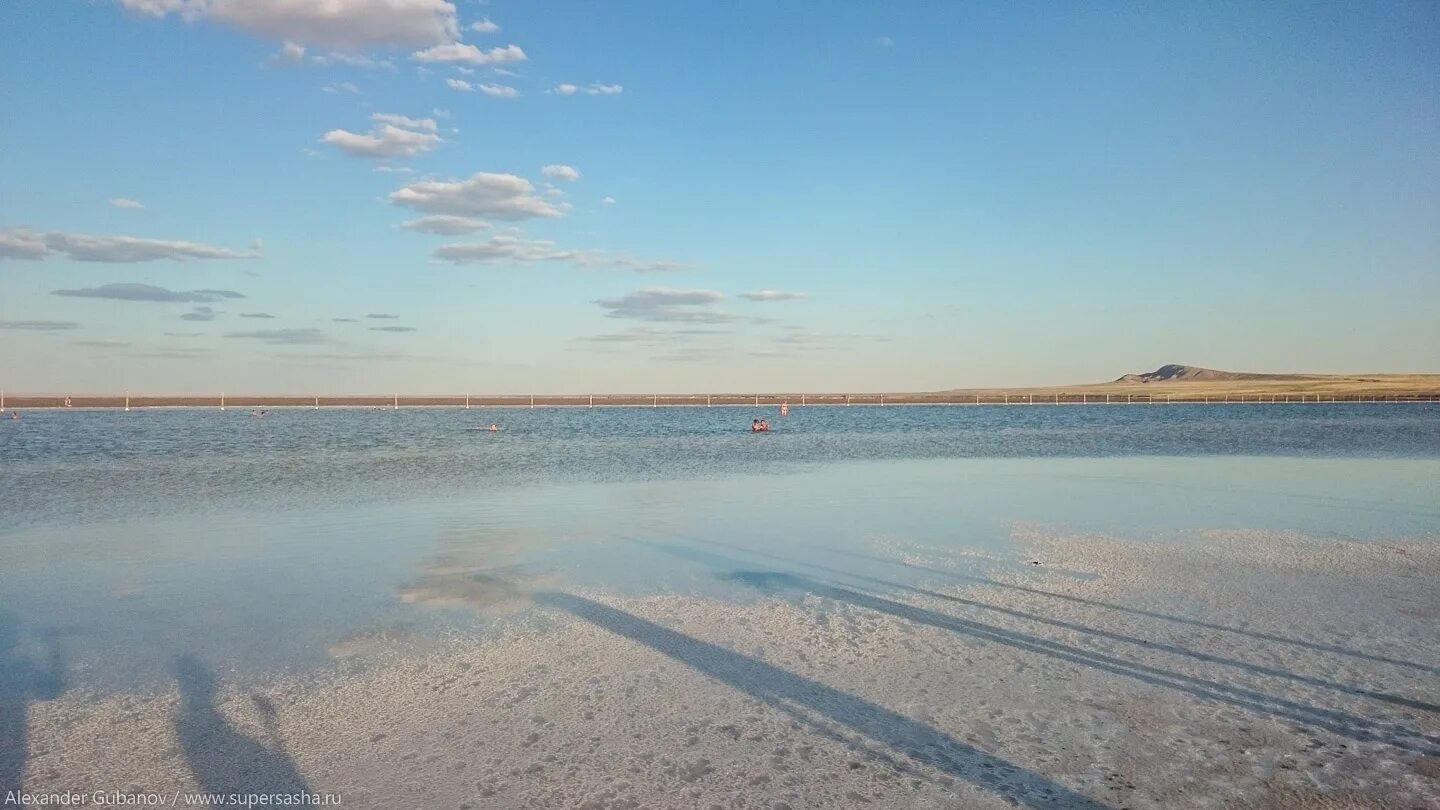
(1148, 644)
(796, 695)
(22, 680)
(1149, 614)
(1337, 722)
(221, 758)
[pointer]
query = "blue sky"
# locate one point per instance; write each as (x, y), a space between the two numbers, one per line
(744, 196)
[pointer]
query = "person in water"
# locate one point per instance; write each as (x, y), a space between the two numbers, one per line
(494, 428)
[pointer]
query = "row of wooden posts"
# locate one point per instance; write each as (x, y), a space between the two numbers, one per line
(879, 399)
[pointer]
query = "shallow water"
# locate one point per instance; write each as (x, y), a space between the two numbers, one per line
(277, 543)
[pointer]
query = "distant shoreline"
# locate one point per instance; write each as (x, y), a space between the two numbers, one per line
(769, 401)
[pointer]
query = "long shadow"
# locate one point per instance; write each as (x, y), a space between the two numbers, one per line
(1341, 723)
(1173, 649)
(1150, 614)
(222, 759)
(794, 695)
(22, 680)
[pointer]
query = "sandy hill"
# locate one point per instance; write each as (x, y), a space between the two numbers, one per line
(1175, 372)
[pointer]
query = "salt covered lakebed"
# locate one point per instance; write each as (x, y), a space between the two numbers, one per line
(689, 618)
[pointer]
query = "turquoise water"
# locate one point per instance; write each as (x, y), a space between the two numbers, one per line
(265, 544)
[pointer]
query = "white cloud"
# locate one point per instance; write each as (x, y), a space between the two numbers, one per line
(22, 244)
(505, 250)
(667, 305)
(440, 112)
(290, 52)
(559, 171)
(647, 265)
(510, 249)
(485, 26)
(447, 225)
(350, 60)
(885, 42)
(459, 84)
(607, 200)
(464, 71)
(124, 202)
(772, 295)
(567, 89)
(392, 136)
(503, 196)
(341, 24)
(341, 87)
(499, 90)
(421, 124)
(460, 52)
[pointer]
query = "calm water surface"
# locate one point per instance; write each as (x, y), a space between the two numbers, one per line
(284, 542)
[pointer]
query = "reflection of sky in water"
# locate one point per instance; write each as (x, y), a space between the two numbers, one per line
(264, 589)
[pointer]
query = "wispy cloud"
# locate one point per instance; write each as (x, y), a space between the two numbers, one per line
(147, 292)
(100, 344)
(485, 26)
(499, 90)
(446, 225)
(341, 87)
(348, 25)
(25, 244)
(667, 305)
(507, 249)
(773, 295)
(39, 326)
(125, 202)
(459, 84)
(596, 89)
(391, 136)
(288, 337)
(560, 171)
(460, 52)
(502, 196)
(345, 320)
(262, 315)
(392, 329)
(382, 316)
(200, 314)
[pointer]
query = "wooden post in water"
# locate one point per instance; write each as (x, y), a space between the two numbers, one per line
(592, 400)
(2, 401)
(707, 400)
(654, 400)
(127, 402)
(395, 403)
(882, 400)
(317, 403)
(1007, 399)
(467, 402)
(532, 401)
(222, 400)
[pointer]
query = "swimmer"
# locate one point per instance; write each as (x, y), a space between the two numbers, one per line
(494, 428)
